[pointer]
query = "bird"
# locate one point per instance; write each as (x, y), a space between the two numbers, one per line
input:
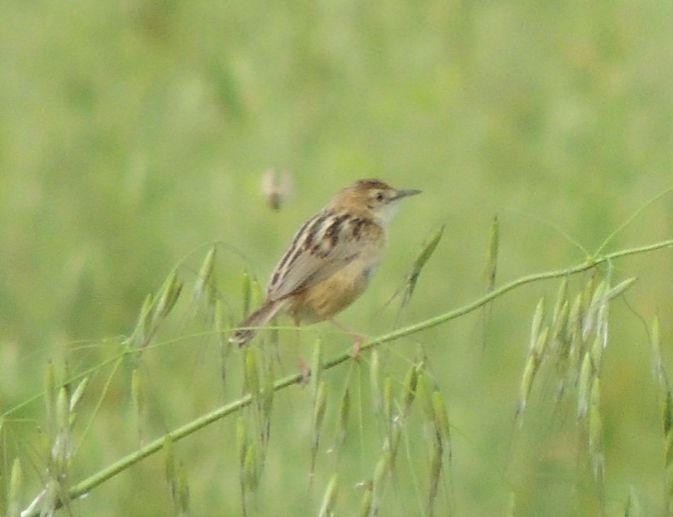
(331, 260)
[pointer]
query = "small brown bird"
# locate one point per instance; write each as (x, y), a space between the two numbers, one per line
(332, 258)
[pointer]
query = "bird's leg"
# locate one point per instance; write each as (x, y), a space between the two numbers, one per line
(358, 339)
(304, 367)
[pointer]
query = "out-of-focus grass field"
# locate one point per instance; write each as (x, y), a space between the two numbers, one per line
(134, 134)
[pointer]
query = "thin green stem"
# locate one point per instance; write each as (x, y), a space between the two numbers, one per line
(181, 432)
(479, 302)
(632, 218)
(93, 481)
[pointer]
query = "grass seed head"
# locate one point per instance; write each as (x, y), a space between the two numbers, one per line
(410, 383)
(78, 394)
(536, 325)
(319, 407)
(15, 487)
(317, 363)
(492, 254)
(441, 415)
(584, 386)
(251, 371)
(344, 413)
(375, 379)
(242, 439)
(424, 394)
(657, 362)
(168, 297)
(251, 467)
(183, 491)
(667, 413)
(367, 502)
(388, 400)
(330, 497)
(169, 461)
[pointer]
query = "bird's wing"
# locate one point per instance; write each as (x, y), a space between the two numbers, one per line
(326, 243)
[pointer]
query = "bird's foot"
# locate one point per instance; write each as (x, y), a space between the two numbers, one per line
(305, 371)
(358, 341)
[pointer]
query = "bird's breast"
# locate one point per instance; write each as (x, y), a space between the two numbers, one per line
(328, 298)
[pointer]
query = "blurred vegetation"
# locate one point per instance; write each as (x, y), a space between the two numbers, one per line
(134, 134)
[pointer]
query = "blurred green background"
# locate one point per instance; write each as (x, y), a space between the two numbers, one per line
(135, 133)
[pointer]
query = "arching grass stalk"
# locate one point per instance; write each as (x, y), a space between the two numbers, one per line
(85, 486)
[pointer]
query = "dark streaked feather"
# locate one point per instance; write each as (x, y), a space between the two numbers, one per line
(326, 243)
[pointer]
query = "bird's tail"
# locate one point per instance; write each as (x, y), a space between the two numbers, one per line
(250, 326)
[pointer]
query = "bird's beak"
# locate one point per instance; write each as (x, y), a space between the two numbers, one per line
(408, 192)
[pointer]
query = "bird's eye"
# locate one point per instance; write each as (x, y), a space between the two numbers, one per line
(379, 197)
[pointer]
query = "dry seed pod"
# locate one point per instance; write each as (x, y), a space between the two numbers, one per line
(277, 188)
